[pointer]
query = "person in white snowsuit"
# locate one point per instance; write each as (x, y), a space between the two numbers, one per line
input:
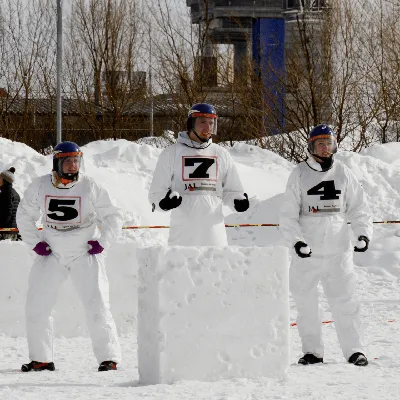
(194, 178)
(321, 196)
(72, 207)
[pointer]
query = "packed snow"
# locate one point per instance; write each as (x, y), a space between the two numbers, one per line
(125, 168)
(193, 318)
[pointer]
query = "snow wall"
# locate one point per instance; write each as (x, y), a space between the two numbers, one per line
(69, 319)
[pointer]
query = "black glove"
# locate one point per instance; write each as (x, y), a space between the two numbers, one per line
(168, 203)
(362, 249)
(241, 205)
(298, 246)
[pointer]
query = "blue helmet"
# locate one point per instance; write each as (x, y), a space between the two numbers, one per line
(60, 153)
(201, 110)
(322, 131)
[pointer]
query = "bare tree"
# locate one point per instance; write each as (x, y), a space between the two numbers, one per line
(27, 37)
(103, 53)
(180, 53)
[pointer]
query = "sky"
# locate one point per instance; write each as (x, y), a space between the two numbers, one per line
(125, 168)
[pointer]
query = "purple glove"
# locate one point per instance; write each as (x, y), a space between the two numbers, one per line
(97, 248)
(42, 249)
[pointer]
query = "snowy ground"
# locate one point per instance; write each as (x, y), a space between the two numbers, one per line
(125, 168)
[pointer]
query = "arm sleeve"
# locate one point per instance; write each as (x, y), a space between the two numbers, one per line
(9, 209)
(162, 177)
(28, 213)
(109, 216)
(231, 186)
(357, 208)
(289, 216)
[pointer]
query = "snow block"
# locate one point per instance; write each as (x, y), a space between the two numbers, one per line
(211, 313)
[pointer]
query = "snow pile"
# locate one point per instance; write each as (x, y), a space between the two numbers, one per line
(388, 152)
(380, 180)
(210, 313)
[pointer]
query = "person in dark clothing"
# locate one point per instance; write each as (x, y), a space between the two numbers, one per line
(9, 200)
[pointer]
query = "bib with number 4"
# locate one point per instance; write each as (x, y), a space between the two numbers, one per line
(322, 193)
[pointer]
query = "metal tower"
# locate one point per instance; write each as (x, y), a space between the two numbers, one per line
(261, 24)
(231, 21)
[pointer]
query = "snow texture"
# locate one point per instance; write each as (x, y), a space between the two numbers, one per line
(211, 313)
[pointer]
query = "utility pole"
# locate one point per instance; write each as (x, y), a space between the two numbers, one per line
(151, 88)
(59, 69)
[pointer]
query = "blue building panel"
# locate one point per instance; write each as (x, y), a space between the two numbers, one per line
(269, 57)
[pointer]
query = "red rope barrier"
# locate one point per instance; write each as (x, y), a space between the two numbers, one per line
(329, 321)
(226, 225)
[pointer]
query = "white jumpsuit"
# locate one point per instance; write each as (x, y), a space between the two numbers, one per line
(316, 208)
(205, 176)
(70, 217)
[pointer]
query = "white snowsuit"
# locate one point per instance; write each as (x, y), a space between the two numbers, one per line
(205, 176)
(315, 210)
(70, 218)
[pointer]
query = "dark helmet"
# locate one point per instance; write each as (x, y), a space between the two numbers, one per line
(201, 110)
(60, 153)
(322, 131)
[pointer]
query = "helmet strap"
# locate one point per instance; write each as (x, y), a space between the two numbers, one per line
(57, 179)
(198, 137)
(326, 162)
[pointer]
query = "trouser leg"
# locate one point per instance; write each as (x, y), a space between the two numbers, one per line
(89, 277)
(45, 279)
(339, 286)
(304, 277)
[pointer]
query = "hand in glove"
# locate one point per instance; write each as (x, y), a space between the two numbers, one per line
(42, 249)
(96, 247)
(241, 205)
(362, 244)
(302, 250)
(170, 201)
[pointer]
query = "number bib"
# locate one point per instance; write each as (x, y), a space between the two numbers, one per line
(65, 209)
(322, 193)
(198, 173)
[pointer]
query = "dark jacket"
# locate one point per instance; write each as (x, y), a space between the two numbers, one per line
(9, 200)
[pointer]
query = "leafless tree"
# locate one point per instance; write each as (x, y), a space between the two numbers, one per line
(102, 58)
(26, 39)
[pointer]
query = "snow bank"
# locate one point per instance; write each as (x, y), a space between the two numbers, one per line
(380, 180)
(212, 313)
(125, 169)
(388, 152)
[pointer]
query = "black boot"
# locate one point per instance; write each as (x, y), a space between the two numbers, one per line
(38, 366)
(358, 359)
(108, 366)
(309, 358)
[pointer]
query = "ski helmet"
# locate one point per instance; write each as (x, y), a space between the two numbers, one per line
(322, 131)
(60, 153)
(201, 110)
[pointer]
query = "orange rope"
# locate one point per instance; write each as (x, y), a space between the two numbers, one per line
(329, 321)
(166, 226)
